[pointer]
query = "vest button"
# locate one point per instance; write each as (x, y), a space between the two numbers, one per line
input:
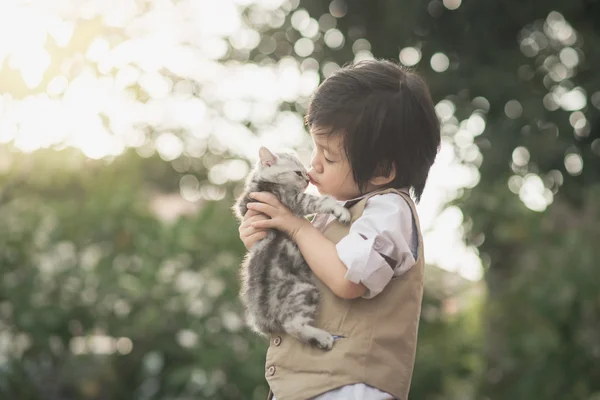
(271, 370)
(277, 341)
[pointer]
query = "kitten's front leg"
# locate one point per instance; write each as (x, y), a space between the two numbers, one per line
(309, 204)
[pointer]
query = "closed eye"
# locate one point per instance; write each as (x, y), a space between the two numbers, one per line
(299, 173)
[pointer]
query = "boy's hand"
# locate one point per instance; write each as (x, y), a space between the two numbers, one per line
(282, 218)
(249, 234)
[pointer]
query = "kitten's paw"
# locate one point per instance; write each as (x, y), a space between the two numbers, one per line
(342, 214)
(323, 340)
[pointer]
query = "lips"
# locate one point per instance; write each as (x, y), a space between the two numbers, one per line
(312, 180)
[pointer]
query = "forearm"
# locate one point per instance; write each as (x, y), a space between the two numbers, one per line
(318, 251)
(321, 255)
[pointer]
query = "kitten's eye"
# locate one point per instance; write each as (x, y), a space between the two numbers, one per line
(299, 173)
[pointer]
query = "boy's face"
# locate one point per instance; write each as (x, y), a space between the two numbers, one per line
(330, 170)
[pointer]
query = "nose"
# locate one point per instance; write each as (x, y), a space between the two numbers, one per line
(315, 164)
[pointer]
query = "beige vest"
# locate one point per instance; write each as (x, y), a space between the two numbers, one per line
(380, 334)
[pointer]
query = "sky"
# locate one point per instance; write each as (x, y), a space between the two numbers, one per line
(71, 64)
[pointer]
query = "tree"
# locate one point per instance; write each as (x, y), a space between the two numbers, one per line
(102, 299)
(525, 73)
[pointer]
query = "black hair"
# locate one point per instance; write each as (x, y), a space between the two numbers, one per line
(387, 118)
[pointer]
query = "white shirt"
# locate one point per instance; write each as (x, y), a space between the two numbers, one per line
(382, 243)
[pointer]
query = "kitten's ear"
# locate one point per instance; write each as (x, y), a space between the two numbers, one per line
(266, 157)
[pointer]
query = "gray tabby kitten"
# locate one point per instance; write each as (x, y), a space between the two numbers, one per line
(278, 289)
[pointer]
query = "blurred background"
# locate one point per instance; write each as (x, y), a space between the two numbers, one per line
(128, 126)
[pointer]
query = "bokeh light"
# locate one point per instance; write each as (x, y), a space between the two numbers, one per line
(452, 4)
(410, 56)
(439, 62)
(142, 119)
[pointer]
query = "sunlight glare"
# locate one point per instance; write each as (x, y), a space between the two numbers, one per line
(574, 164)
(533, 193)
(573, 100)
(32, 65)
(98, 49)
(300, 19)
(410, 56)
(61, 31)
(169, 146)
(476, 124)
(128, 79)
(334, 38)
(57, 85)
(439, 62)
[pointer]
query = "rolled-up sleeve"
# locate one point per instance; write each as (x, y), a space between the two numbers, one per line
(378, 245)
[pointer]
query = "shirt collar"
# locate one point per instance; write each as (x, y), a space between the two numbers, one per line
(349, 203)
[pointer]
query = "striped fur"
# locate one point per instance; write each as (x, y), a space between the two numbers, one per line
(278, 288)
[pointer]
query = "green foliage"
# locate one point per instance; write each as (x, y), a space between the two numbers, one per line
(102, 299)
(539, 337)
(448, 364)
(540, 266)
(82, 255)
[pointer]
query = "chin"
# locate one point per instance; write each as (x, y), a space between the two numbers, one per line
(321, 192)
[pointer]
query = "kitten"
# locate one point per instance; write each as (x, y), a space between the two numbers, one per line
(278, 288)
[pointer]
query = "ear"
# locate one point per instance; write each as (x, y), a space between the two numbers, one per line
(266, 157)
(381, 180)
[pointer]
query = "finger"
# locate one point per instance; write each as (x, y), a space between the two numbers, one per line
(257, 236)
(247, 222)
(249, 231)
(265, 197)
(250, 228)
(246, 226)
(252, 240)
(263, 208)
(258, 217)
(249, 238)
(250, 213)
(246, 229)
(265, 224)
